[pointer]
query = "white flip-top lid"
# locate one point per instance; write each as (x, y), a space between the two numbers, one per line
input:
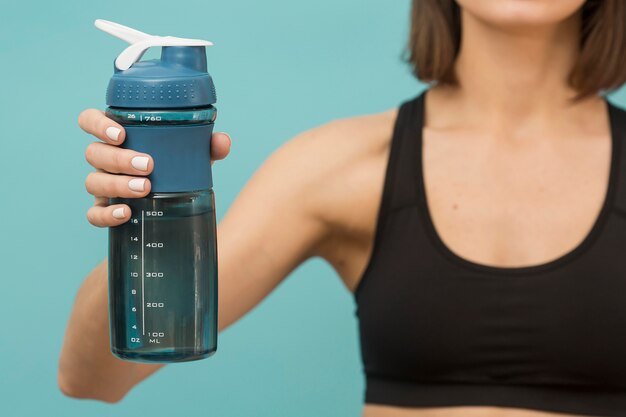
(140, 42)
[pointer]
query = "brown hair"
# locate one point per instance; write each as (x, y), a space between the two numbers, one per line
(435, 38)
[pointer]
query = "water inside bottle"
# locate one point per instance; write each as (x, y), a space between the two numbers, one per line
(163, 288)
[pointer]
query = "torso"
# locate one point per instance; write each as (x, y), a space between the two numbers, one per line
(500, 223)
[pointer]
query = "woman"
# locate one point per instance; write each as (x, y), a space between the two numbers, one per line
(480, 225)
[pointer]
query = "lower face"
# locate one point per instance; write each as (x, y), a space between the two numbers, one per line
(516, 13)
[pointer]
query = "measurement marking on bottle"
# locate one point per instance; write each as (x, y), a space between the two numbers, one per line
(143, 298)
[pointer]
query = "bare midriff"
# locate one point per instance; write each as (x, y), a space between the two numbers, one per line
(376, 410)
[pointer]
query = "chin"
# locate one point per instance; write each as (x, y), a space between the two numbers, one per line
(521, 13)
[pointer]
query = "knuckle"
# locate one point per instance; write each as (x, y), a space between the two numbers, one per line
(90, 152)
(83, 117)
(88, 119)
(101, 125)
(110, 188)
(91, 216)
(89, 181)
(119, 161)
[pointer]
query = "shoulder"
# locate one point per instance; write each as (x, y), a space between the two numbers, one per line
(325, 151)
(342, 139)
(352, 156)
(327, 170)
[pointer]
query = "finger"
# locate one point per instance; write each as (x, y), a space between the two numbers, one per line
(118, 160)
(94, 122)
(108, 216)
(103, 184)
(220, 146)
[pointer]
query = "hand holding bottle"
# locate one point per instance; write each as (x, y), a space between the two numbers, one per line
(121, 172)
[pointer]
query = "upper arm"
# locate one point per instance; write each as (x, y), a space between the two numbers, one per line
(271, 227)
(294, 204)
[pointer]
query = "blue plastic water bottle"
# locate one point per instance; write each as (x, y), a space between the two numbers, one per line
(163, 261)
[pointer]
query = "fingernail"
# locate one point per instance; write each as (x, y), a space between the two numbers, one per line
(136, 184)
(113, 133)
(118, 213)
(140, 163)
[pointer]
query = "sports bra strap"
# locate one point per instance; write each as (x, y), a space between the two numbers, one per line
(617, 117)
(400, 179)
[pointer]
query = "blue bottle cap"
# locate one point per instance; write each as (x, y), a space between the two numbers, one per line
(179, 79)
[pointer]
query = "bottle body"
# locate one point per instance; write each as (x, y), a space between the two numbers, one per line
(163, 278)
(163, 261)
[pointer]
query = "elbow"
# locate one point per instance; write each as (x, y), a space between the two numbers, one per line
(72, 388)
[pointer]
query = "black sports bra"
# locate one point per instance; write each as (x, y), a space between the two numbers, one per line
(440, 330)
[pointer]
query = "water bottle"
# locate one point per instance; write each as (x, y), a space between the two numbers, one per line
(163, 261)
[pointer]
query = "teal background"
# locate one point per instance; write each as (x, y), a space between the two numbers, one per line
(280, 67)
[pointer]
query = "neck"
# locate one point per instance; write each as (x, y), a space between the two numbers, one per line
(516, 73)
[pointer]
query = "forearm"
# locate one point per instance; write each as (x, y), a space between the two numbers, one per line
(87, 368)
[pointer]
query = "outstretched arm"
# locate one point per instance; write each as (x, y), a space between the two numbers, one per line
(271, 227)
